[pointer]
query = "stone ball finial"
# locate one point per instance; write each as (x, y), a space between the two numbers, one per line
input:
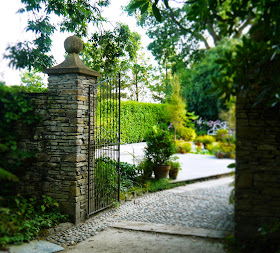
(73, 44)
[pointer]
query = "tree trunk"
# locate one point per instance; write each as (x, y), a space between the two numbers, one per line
(136, 84)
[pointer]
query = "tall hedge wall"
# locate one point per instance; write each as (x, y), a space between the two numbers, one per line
(137, 118)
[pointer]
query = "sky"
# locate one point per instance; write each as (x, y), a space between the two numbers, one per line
(13, 25)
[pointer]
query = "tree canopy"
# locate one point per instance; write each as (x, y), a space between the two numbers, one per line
(74, 16)
(110, 51)
(250, 64)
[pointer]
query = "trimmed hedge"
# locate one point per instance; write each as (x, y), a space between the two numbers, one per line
(137, 118)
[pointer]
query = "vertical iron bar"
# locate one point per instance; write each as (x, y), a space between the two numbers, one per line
(89, 188)
(95, 102)
(119, 137)
(104, 141)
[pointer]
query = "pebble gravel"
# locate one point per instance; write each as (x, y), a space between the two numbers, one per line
(201, 208)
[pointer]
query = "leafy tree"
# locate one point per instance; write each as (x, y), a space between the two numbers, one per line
(119, 51)
(32, 82)
(139, 76)
(183, 28)
(176, 107)
(74, 16)
(161, 86)
(111, 51)
(254, 62)
(196, 83)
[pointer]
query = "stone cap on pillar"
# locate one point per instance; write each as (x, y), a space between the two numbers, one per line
(72, 64)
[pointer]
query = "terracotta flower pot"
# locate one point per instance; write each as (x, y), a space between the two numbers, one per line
(173, 173)
(161, 171)
(220, 155)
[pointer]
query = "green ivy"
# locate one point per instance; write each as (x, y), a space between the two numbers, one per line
(15, 108)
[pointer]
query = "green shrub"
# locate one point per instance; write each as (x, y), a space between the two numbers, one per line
(182, 146)
(222, 135)
(188, 134)
(213, 147)
(222, 150)
(160, 146)
(146, 167)
(129, 175)
(106, 179)
(205, 139)
(198, 139)
(22, 218)
(208, 139)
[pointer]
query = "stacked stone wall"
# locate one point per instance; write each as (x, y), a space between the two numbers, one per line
(60, 142)
(257, 199)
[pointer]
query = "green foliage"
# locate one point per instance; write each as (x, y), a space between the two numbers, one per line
(250, 67)
(159, 146)
(75, 17)
(196, 83)
(263, 240)
(222, 150)
(174, 163)
(32, 82)
(22, 218)
(106, 176)
(146, 167)
(188, 134)
(137, 118)
(15, 108)
(229, 115)
(104, 50)
(222, 135)
(106, 179)
(151, 185)
(183, 146)
(161, 184)
(205, 139)
(7, 176)
(129, 175)
(139, 77)
(176, 107)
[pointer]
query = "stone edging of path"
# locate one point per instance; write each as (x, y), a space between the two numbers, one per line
(201, 179)
(170, 229)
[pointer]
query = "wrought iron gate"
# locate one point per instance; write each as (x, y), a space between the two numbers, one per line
(104, 144)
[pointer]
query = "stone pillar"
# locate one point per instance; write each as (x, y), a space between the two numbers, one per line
(66, 148)
(257, 199)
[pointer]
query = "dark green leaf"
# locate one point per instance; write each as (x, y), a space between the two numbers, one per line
(156, 13)
(137, 4)
(144, 8)
(232, 165)
(166, 3)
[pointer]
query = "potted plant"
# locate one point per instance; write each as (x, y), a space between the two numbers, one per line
(160, 147)
(175, 166)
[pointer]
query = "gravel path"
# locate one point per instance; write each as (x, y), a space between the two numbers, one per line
(201, 205)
